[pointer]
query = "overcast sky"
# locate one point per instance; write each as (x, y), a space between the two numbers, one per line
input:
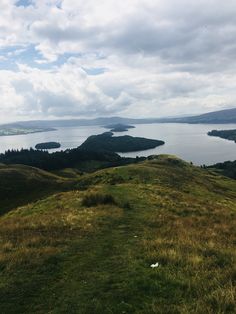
(134, 58)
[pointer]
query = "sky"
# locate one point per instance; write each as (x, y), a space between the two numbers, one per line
(133, 58)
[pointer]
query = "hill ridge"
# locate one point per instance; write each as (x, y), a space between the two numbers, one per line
(90, 249)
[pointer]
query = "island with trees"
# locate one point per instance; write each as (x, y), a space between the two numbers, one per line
(226, 134)
(48, 145)
(119, 127)
(124, 144)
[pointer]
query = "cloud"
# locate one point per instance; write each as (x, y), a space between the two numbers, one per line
(177, 31)
(65, 91)
(136, 58)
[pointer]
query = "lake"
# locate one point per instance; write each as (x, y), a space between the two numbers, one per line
(187, 141)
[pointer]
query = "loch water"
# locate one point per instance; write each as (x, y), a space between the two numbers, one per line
(187, 141)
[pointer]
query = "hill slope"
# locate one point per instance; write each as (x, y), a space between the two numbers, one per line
(21, 184)
(91, 250)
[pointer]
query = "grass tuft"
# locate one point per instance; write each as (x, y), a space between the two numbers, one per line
(95, 199)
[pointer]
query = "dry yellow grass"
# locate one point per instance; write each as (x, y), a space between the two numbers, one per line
(60, 256)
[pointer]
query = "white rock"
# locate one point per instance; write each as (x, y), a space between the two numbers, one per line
(155, 265)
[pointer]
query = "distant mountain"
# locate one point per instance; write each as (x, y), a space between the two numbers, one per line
(78, 122)
(222, 116)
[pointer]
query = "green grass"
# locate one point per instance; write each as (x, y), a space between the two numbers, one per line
(58, 255)
(21, 184)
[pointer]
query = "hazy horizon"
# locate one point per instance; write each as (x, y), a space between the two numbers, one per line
(103, 117)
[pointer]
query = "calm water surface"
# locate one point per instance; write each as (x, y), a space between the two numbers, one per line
(188, 141)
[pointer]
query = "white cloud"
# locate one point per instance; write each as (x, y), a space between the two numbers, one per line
(160, 57)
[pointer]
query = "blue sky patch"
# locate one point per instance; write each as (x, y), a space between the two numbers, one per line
(59, 3)
(29, 55)
(23, 3)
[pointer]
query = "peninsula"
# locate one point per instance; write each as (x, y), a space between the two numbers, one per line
(226, 134)
(10, 131)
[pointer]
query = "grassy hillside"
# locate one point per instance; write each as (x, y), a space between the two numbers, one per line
(90, 250)
(21, 184)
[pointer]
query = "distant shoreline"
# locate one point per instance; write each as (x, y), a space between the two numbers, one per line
(23, 131)
(229, 135)
(226, 116)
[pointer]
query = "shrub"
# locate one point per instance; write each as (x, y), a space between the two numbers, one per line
(82, 185)
(116, 179)
(95, 199)
(127, 205)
